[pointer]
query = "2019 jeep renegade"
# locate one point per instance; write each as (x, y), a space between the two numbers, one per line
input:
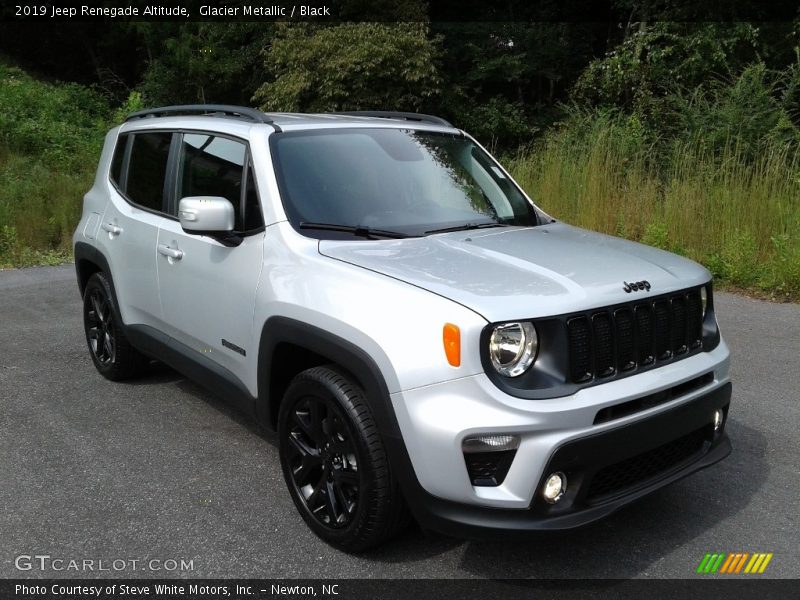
(426, 341)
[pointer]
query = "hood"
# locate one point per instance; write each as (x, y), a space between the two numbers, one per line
(516, 273)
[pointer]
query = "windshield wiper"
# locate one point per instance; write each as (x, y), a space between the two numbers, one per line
(358, 230)
(466, 227)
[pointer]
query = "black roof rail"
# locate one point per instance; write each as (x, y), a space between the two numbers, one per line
(389, 114)
(240, 112)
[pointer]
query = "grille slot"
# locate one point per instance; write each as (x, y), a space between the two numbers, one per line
(626, 349)
(694, 319)
(679, 331)
(661, 310)
(604, 345)
(640, 469)
(580, 349)
(610, 342)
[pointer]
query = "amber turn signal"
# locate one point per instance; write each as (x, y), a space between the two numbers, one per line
(451, 336)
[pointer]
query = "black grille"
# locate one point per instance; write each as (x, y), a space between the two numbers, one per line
(612, 341)
(639, 469)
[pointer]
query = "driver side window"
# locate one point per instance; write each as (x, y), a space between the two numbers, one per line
(216, 166)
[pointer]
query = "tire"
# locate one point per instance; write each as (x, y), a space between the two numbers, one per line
(111, 352)
(335, 464)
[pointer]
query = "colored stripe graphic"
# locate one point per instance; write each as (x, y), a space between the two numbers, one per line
(717, 563)
(741, 562)
(703, 563)
(734, 562)
(728, 563)
(765, 563)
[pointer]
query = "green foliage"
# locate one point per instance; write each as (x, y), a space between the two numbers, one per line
(736, 211)
(50, 139)
(202, 62)
(350, 66)
(62, 124)
(656, 58)
(132, 104)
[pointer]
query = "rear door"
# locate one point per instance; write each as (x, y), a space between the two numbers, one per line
(129, 228)
(208, 294)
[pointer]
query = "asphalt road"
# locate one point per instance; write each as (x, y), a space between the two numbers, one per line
(160, 469)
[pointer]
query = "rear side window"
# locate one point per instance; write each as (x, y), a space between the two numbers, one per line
(117, 160)
(147, 169)
(215, 166)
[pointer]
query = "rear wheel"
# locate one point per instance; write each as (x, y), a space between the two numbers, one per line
(112, 353)
(334, 462)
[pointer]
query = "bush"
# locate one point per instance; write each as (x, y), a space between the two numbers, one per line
(62, 124)
(350, 66)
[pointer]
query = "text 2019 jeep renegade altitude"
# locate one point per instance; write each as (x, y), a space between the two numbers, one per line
(425, 340)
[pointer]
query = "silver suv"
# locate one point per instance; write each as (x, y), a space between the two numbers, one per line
(425, 340)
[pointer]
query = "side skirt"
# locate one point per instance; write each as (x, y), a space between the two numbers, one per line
(193, 365)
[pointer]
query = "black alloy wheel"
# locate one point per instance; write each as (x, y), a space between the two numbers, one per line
(334, 461)
(322, 458)
(100, 328)
(111, 352)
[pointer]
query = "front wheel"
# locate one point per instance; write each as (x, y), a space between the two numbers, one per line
(334, 462)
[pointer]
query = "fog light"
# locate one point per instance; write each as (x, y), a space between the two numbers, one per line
(554, 487)
(718, 418)
(489, 457)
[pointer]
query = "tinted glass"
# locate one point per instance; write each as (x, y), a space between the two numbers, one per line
(399, 180)
(116, 161)
(214, 166)
(148, 168)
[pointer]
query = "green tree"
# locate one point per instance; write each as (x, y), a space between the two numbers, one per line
(202, 62)
(351, 66)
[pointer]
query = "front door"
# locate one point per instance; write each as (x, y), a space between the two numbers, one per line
(208, 289)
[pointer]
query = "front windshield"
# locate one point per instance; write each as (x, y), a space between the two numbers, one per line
(394, 180)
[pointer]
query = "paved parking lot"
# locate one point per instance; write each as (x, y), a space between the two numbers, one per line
(160, 469)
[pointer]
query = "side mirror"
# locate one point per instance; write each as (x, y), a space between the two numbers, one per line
(210, 215)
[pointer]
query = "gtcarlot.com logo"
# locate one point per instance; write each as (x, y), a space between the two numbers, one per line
(45, 562)
(734, 563)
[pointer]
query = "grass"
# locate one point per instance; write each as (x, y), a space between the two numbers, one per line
(738, 215)
(50, 139)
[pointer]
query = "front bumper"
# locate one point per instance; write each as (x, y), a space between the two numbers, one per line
(560, 434)
(589, 459)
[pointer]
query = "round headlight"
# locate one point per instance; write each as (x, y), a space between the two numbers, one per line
(704, 299)
(512, 348)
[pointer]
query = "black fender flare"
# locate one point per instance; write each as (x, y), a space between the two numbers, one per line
(86, 252)
(337, 350)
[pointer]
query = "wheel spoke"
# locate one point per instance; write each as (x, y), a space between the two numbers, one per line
(302, 448)
(106, 308)
(317, 492)
(305, 422)
(96, 309)
(349, 478)
(108, 345)
(303, 472)
(346, 504)
(331, 502)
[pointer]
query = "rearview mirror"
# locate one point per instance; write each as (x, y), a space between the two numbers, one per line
(206, 214)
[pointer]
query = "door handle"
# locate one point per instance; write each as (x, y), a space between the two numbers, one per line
(170, 252)
(111, 228)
